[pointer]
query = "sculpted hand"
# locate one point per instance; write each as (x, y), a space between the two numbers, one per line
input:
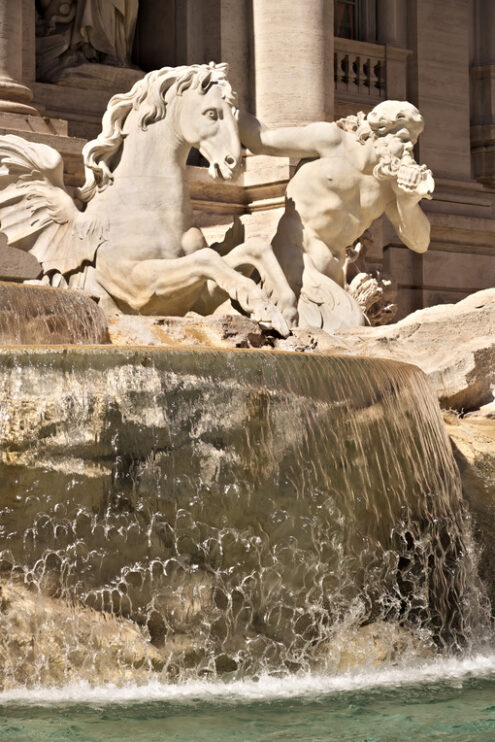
(415, 180)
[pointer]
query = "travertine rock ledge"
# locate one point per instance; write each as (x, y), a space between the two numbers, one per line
(150, 483)
(473, 444)
(454, 344)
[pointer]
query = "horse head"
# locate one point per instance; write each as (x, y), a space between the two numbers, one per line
(197, 99)
(205, 118)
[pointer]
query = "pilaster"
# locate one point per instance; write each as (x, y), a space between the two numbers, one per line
(15, 96)
(439, 83)
(293, 61)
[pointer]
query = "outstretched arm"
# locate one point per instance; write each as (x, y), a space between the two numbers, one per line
(410, 222)
(286, 141)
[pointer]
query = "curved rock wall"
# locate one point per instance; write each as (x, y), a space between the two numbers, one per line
(243, 508)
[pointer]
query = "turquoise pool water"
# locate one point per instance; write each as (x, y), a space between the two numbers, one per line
(450, 700)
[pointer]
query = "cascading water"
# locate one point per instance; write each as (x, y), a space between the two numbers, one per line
(230, 512)
(47, 315)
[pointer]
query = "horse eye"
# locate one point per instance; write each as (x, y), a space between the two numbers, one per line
(212, 114)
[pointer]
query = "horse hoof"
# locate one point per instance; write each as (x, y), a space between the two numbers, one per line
(265, 325)
(277, 324)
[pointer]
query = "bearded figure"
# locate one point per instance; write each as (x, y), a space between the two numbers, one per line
(351, 172)
(394, 129)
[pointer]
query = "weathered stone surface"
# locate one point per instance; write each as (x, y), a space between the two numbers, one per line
(454, 344)
(44, 315)
(473, 443)
(225, 331)
(17, 265)
(50, 641)
(172, 487)
(372, 646)
(486, 411)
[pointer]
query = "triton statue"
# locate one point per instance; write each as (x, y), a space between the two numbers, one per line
(359, 168)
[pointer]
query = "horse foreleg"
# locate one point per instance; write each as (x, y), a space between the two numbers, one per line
(171, 285)
(260, 255)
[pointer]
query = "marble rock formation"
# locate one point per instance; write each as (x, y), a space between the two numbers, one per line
(454, 344)
(172, 487)
(473, 444)
(36, 629)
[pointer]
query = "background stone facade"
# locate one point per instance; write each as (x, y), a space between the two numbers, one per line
(295, 61)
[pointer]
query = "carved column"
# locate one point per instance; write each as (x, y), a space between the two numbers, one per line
(234, 19)
(392, 22)
(293, 60)
(392, 32)
(483, 93)
(14, 95)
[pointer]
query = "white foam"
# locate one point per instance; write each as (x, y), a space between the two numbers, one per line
(266, 688)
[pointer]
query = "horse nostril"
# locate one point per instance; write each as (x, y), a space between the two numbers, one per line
(230, 161)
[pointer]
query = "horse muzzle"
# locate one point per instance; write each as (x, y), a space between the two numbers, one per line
(226, 169)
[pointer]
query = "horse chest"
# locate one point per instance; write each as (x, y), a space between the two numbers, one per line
(148, 234)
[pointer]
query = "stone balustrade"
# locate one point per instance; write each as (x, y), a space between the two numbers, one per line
(359, 69)
(367, 73)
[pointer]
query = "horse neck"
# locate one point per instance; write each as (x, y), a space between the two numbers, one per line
(152, 166)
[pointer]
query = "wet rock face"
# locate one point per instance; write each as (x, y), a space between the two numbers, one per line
(223, 331)
(45, 641)
(473, 443)
(453, 344)
(17, 265)
(42, 315)
(235, 505)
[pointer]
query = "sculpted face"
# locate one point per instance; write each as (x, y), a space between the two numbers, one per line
(207, 122)
(399, 118)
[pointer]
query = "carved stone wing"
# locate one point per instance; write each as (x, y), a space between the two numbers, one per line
(36, 212)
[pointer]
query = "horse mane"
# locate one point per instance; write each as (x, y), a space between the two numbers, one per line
(148, 96)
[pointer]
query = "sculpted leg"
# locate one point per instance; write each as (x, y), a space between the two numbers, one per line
(171, 286)
(260, 255)
(325, 257)
(324, 304)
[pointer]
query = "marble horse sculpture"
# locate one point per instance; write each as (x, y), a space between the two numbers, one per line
(128, 237)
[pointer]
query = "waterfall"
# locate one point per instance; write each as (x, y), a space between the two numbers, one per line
(49, 315)
(182, 513)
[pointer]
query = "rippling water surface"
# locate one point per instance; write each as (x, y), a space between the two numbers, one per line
(445, 700)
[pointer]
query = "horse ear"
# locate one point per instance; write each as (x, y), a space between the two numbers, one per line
(183, 85)
(206, 82)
